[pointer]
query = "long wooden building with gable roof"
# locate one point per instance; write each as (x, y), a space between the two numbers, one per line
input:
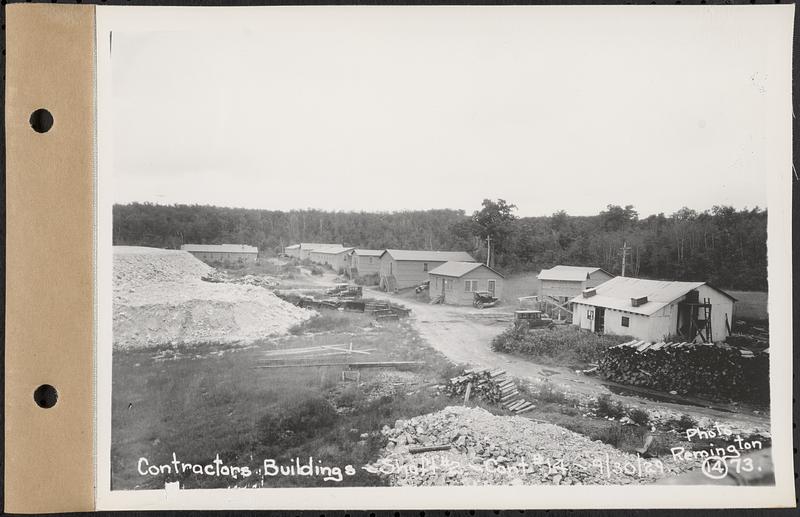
(400, 269)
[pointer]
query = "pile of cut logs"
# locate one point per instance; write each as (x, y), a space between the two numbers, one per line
(713, 371)
(379, 309)
(489, 385)
(385, 310)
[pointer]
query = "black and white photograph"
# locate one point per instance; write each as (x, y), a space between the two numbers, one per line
(401, 248)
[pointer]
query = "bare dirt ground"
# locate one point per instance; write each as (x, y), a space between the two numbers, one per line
(464, 334)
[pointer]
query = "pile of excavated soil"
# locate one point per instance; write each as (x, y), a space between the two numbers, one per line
(160, 299)
(507, 450)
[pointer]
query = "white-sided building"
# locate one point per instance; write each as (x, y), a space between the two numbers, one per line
(457, 282)
(222, 253)
(303, 250)
(654, 310)
(337, 257)
(564, 282)
(365, 262)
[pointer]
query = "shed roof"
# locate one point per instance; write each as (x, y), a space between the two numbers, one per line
(331, 250)
(429, 256)
(458, 269)
(617, 293)
(315, 245)
(569, 273)
(293, 247)
(368, 253)
(220, 248)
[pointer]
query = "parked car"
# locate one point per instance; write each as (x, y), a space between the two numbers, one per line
(530, 319)
(346, 291)
(481, 299)
(338, 288)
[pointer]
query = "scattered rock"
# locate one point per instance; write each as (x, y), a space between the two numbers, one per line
(507, 450)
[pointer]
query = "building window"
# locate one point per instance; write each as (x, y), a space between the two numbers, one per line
(424, 266)
(470, 286)
(626, 321)
(370, 260)
(448, 284)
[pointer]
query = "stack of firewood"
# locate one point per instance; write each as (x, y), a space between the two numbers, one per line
(714, 371)
(492, 386)
(480, 384)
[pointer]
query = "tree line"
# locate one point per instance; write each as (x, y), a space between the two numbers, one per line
(724, 246)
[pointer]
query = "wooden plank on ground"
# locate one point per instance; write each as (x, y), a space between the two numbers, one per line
(371, 364)
(428, 448)
(516, 404)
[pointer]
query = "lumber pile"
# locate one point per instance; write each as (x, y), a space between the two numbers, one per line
(379, 309)
(491, 386)
(712, 371)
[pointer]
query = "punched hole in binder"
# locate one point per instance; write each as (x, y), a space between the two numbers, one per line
(41, 120)
(45, 396)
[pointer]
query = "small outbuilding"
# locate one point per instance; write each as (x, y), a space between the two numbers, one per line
(457, 282)
(564, 282)
(222, 253)
(655, 310)
(400, 269)
(365, 262)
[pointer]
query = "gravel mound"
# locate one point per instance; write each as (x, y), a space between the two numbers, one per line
(496, 450)
(160, 299)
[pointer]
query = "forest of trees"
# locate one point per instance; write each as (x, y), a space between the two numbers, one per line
(724, 246)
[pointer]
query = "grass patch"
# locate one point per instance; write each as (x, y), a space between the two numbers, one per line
(606, 407)
(682, 424)
(325, 321)
(563, 345)
(639, 416)
(627, 438)
(546, 392)
(293, 422)
(198, 405)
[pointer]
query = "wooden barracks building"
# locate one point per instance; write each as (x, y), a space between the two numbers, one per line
(457, 282)
(400, 269)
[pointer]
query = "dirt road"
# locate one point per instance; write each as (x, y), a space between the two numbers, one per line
(464, 334)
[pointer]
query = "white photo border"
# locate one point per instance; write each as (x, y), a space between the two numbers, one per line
(779, 18)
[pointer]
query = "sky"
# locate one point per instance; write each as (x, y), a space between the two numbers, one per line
(384, 110)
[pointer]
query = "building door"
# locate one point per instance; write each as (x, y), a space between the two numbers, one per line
(599, 319)
(491, 286)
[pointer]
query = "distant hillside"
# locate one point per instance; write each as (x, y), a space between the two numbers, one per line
(724, 246)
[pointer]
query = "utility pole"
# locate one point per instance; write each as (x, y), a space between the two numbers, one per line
(625, 249)
(488, 250)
